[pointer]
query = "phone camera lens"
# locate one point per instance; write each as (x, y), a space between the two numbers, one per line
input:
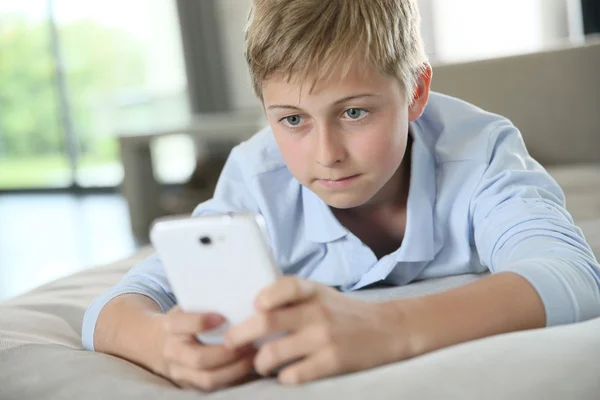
(205, 240)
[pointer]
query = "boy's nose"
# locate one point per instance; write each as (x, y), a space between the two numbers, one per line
(329, 149)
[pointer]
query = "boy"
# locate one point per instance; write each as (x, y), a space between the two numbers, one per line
(363, 177)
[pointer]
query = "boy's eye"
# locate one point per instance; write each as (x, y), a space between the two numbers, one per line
(293, 120)
(355, 113)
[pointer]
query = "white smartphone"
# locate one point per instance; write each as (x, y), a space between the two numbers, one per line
(216, 263)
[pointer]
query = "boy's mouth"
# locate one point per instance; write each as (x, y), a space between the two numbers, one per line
(339, 182)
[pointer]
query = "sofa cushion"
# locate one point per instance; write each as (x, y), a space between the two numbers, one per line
(41, 356)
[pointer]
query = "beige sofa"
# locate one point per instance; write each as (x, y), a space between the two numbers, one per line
(553, 97)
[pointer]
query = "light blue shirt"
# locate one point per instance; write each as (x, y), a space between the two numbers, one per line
(477, 202)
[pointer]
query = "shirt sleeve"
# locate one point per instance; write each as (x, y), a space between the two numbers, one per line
(520, 224)
(148, 278)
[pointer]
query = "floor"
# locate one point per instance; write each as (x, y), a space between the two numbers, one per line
(45, 237)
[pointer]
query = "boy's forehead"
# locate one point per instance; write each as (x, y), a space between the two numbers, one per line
(363, 79)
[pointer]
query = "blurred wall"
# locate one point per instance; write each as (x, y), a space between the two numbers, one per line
(475, 29)
(232, 18)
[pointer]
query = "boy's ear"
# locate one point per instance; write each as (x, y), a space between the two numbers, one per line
(420, 94)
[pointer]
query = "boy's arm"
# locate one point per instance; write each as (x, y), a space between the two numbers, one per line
(331, 333)
(498, 303)
(544, 273)
(127, 327)
(520, 225)
(147, 279)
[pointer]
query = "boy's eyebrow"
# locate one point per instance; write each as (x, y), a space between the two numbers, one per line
(342, 100)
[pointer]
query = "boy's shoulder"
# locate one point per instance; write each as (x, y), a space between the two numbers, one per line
(259, 154)
(455, 130)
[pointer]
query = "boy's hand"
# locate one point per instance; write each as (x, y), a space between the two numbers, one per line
(329, 333)
(190, 364)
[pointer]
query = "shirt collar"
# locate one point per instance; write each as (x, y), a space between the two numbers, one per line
(322, 226)
(320, 223)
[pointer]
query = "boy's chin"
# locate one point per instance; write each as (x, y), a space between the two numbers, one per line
(344, 201)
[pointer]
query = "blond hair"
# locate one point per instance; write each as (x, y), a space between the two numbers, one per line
(302, 38)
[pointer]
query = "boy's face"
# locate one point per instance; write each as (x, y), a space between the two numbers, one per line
(346, 139)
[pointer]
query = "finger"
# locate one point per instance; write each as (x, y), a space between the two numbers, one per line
(261, 325)
(215, 379)
(286, 290)
(320, 365)
(194, 355)
(188, 323)
(288, 349)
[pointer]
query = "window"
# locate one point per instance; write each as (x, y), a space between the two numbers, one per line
(462, 30)
(111, 66)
